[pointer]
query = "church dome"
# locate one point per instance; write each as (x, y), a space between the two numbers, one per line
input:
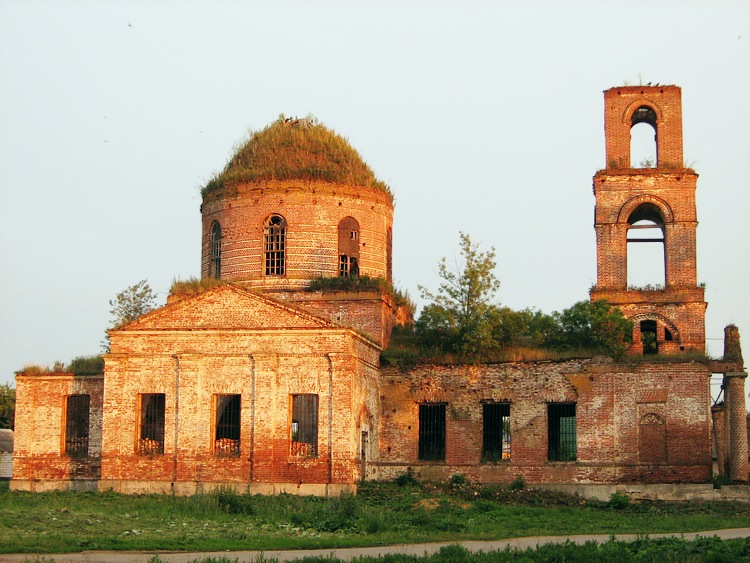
(296, 149)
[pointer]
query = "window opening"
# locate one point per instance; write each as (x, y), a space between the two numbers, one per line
(348, 266)
(227, 434)
(348, 247)
(432, 431)
(77, 426)
(645, 246)
(152, 424)
(495, 431)
(648, 337)
(304, 428)
(561, 421)
(274, 233)
(643, 138)
(215, 261)
(668, 335)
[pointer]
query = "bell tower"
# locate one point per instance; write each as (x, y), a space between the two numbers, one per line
(651, 203)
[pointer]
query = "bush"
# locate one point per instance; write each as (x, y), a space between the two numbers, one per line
(86, 365)
(458, 479)
(619, 501)
(518, 484)
(406, 479)
(232, 502)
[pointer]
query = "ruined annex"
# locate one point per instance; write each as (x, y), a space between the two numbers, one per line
(267, 384)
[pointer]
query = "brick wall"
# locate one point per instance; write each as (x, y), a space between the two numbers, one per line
(265, 368)
(313, 211)
(616, 405)
(619, 105)
(39, 447)
(667, 192)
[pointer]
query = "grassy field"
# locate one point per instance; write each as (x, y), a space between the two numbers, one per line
(382, 513)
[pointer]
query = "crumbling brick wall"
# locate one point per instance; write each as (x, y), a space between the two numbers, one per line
(39, 447)
(620, 410)
(313, 211)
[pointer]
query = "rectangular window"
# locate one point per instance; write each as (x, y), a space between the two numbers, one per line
(227, 432)
(151, 439)
(77, 425)
(432, 431)
(304, 428)
(495, 431)
(561, 426)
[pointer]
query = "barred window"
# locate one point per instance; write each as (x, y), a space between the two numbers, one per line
(561, 422)
(77, 425)
(348, 266)
(432, 431)
(151, 439)
(274, 237)
(215, 261)
(348, 247)
(304, 427)
(227, 433)
(495, 431)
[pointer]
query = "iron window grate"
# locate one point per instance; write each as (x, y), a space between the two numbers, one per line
(432, 431)
(77, 425)
(495, 431)
(561, 420)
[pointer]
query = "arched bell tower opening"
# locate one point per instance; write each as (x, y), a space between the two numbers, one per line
(646, 221)
(646, 258)
(643, 135)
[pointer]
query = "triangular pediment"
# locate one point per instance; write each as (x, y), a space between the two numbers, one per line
(228, 307)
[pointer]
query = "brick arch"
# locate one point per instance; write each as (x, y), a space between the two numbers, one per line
(659, 319)
(627, 115)
(629, 206)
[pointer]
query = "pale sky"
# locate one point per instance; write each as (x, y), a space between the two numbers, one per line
(483, 117)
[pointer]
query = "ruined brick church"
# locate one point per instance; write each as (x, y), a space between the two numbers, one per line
(266, 385)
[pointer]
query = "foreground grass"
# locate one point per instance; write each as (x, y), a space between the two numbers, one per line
(383, 513)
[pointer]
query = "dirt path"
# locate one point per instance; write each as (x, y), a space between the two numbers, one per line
(347, 554)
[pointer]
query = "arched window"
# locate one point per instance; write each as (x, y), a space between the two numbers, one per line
(348, 247)
(643, 132)
(214, 267)
(646, 258)
(274, 245)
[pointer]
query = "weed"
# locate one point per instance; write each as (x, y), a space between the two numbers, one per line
(458, 479)
(406, 479)
(518, 484)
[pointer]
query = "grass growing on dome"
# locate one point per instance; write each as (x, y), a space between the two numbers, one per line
(296, 149)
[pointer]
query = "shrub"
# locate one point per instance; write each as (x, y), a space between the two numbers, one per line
(458, 479)
(86, 365)
(619, 501)
(518, 484)
(406, 479)
(232, 502)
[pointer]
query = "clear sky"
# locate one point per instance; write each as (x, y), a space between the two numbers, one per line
(483, 117)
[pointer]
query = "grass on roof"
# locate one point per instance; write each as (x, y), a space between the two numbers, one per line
(296, 149)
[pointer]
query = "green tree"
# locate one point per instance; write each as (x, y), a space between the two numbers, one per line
(128, 305)
(593, 326)
(7, 406)
(458, 318)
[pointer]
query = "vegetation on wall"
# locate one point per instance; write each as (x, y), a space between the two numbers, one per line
(462, 322)
(193, 285)
(364, 283)
(296, 149)
(86, 365)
